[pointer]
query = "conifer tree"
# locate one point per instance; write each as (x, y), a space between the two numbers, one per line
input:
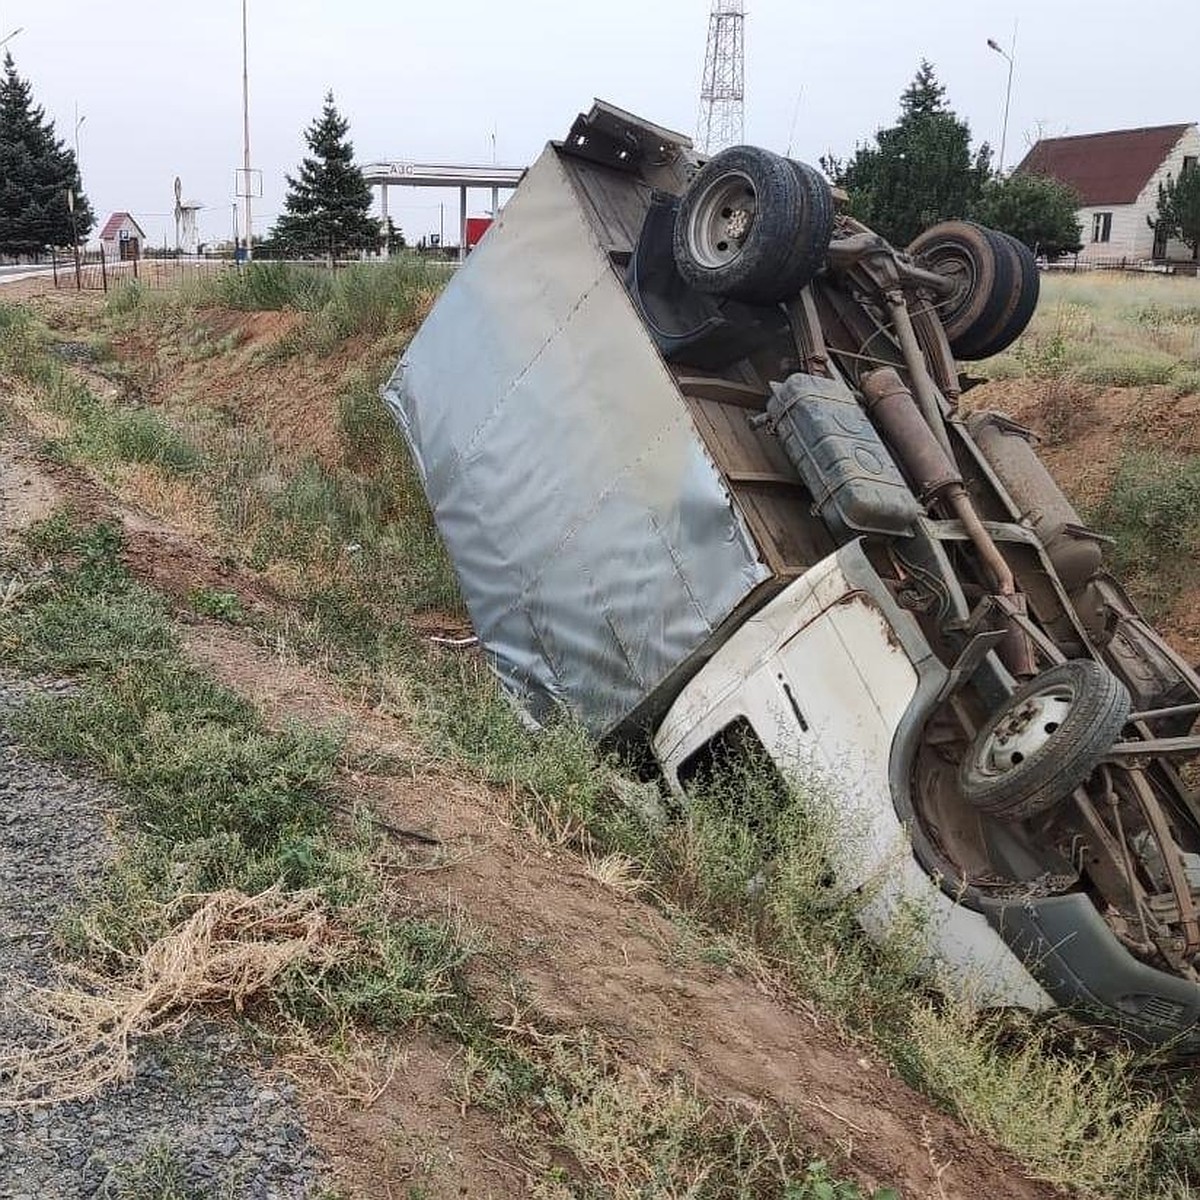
(919, 171)
(1178, 212)
(328, 203)
(36, 171)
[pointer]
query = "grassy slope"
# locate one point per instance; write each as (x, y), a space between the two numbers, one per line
(349, 544)
(1109, 375)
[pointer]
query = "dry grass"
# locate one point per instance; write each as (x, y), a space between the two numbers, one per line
(228, 949)
(1078, 1118)
(618, 872)
(1110, 330)
(630, 1133)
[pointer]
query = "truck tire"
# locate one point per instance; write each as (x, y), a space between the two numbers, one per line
(753, 226)
(1045, 741)
(1026, 289)
(985, 271)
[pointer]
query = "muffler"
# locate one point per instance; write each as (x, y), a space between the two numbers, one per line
(937, 480)
(1072, 548)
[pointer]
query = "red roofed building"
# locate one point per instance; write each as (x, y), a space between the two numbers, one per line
(1117, 175)
(122, 236)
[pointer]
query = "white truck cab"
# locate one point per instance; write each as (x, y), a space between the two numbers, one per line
(823, 679)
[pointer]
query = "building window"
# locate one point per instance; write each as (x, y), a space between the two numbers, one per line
(1189, 163)
(1101, 227)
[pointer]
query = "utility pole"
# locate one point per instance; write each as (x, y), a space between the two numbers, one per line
(249, 227)
(723, 89)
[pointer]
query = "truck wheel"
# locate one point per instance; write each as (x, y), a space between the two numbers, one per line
(984, 270)
(753, 226)
(1045, 741)
(1019, 310)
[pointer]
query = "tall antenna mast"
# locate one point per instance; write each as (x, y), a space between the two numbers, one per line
(723, 91)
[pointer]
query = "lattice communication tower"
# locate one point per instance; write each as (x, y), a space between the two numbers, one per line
(723, 90)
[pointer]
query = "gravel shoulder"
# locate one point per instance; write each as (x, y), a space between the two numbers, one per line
(195, 1101)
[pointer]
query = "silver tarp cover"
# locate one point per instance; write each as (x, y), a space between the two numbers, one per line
(595, 543)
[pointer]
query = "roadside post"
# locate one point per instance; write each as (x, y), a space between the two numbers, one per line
(74, 237)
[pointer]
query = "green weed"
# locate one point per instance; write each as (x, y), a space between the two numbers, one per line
(1152, 513)
(160, 1174)
(222, 606)
(1077, 1117)
(358, 299)
(1127, 368)
(125, 299)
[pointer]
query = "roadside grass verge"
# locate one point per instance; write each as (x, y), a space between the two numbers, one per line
(216, 803)
(359, 300)
(1110, 331)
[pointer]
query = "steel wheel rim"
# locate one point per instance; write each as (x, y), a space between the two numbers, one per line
(1025, 731)
(958, 266)
(722, 219)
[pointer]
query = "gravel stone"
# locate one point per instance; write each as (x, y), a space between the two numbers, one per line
(193, 1093)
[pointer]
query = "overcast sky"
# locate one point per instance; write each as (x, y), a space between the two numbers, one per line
(160, 83)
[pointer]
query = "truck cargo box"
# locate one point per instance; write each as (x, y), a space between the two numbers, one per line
(611, 518)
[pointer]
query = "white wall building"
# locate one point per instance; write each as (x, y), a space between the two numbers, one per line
(1116, 175)
(122, 237)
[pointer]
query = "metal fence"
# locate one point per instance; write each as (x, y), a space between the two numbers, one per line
(1140, 266)
(94, 270)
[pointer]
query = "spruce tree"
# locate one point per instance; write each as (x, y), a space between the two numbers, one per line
(36, 171)
(919, 171)
(1178, 214)
(328, 203)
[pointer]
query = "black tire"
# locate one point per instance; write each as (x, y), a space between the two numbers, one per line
(753, 226)
(1096, 707)
(1026, 291)
(985, 269)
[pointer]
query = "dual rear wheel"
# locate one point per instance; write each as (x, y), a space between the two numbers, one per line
(996, 285)
(753, 226)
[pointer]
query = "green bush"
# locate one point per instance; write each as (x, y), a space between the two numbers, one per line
(1127, 368)
(1152, 512)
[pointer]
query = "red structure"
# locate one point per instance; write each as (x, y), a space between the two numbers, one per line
(476, 228)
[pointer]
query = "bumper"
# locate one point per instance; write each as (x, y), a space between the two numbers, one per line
(1078, 960)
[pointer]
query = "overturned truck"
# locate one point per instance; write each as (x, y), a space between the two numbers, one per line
(693, 439)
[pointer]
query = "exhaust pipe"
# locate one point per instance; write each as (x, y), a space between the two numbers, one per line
(892, 407)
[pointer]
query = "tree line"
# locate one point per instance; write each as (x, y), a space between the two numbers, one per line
(922, 170)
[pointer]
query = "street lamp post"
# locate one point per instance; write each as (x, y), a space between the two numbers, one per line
(994, 45)
(78, 167)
